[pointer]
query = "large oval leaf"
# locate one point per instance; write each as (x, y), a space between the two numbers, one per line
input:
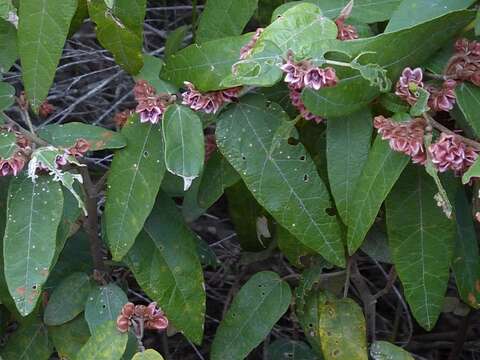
(421, 239)
(255, 139)
(379, 174)
(29, 342)
(133, 183)
(104, 304)
(8, 144)
(106, 344)
(184, 143)
(7, 96)
(354, 92)
(222, 18)
(149, 354)
(34, 212)
(68, 299)
(8, 39)
(259, 304)
(348, 143)
(468, 99)
(69, 338)
(66, 136)
(165, 263)
(42, 31)
(121, 30)
(382, 350)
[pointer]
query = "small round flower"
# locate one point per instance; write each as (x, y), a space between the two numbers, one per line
(296, 98)
(407, 85)
(154, 318)
(442, 99)
(209, 102)
(451, 153)
(295, 74)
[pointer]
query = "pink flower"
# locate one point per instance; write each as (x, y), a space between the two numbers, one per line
(231, 94)
(150, 105)
(442, 99)
(13, 165)
(316, 78)
(296, 98)
(246, 50)
(405, 137)
(407, 85)
(346, 32)
(149, 113)
(295, 74)
(209, 102)
(154, 318)
(465, 63)
(450, 152)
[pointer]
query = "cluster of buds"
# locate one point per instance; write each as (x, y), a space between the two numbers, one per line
(449, 152)
(246, 50)
(151, 105)
(405, 137)
(296, 99)
(141, 317)
(346, 32)
(78, 150)
(464, 65)
(46, 109)
(209, 102)
(15, 163)
(440, 99)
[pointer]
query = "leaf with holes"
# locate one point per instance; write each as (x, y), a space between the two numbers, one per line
(165, 263)
(184, 143)
(107, 343)
(421, 240)
(465, 263)
(381, 171)
(133, 184)
(353, 92)
(121, 30)
(149, 354)
(8, 144)
(468, 99)
(67, 300)
(104, 304)
(65, 136)
(29, 342)
(70, 337)
(259, 142)
(204, 65)
(348, 144)
(222, 18)
(42, 31)
(33, 216)
(7, 95)
(382, 350)
(290, 350)
(259, 304)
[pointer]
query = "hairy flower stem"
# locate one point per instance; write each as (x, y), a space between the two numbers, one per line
(436, 125)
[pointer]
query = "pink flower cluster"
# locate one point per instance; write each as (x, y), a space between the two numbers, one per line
(465, 63)
(346, 32)
(246, 50)
(209, 102)
(15, 164)
(151, 105)
(440, 99)
(451, 153)
(149, 317)
(296, 98)
(405, 137)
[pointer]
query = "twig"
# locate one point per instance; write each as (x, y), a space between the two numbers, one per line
(442, 128)
(28, 134)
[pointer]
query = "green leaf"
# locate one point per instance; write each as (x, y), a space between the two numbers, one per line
(465, 263)
(8, 39)
(421, 105)
(348, 143)
(204, 65)
(80, 15)
(217, 176)
(6, 7)
(7, 95)
(342, 330)
(222, 18)
(70, 337)
(67, 300)
(289, 350)
(472, 172)
(133, 184)
(354, 92)
(29, 342)
(184, 143)
(150, 72)
(104, 304)
(413, 12)
(106, 344)
(298, 28)
(8, 144)
(175, 40)
(149, 354)
(42, 31)
(477, 24)
(381, 171)
(34, 213)
(121, 31)
(255, 138)
(382, 350)
(165, 263)
(256, 308)
(468, 99)
(421, 240)
(366, 11)
(293, 250)
(66, 136)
